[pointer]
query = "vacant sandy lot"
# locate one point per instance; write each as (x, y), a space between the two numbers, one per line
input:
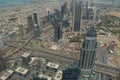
(115, 14)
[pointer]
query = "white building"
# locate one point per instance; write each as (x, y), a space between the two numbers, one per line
(22, 71)
(45, 77)
(52, 66)
(58, 75)
(6, 75)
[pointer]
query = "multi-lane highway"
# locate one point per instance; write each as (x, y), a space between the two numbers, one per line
(101, 59)
(18, 48)
(69, 60)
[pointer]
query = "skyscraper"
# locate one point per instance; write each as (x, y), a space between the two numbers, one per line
(88, 54)
(36, 31)
(2, 64)
(35, 18)
(85, 66)
(70, 74)
(57, 32)
(48, 16)
(91, 3)
(57, 26)
(86, 11)
(58, 15)
(21, 30)
(30, 23)
(77, 16)
(36, 27)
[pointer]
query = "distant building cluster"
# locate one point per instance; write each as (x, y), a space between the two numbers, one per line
(51, 34)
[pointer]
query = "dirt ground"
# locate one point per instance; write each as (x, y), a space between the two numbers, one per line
(117, 14)
(113, 59)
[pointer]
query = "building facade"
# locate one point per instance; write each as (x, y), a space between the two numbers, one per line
(36, 27)
(77, 17)
(88, 54)
(30, 23)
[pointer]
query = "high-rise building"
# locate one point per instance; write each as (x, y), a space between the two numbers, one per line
(58, 15)
(36, 27)
(57, 28)
(30, 23)
(48, 16)
(64, 8)
(35, 18)
(26, 58)
(85, 67)
(1, 43)
(72, 7)
(36, 31)
(21, 30)
(2, 64)
(86, 11)
(70, 74)
(57, 31)
(77, 16)
(65, 22)
(97, 15)
(88, 54)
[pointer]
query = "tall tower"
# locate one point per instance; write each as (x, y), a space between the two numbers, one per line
(20, 24)
(48, 17)
(88, 54)
(57, 31)
(36, 31)
(36, 27)
(86, 11)
(77, 16)
(35, 18)
(21, 30)
(30, 23)
(91, 3)
(2, 64)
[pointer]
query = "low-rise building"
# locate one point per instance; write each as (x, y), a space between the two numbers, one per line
(43, 77)
(22, 71)
(6, 75)
(36, 63)
(52, 66)
(58, 76)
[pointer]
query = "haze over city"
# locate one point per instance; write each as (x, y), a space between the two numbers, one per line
(59, 39)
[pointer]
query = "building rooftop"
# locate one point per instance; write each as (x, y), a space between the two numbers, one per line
(58, 76)
(26, 55)
(22, 70)
(53, 65)
(6, 75)
(43, 76)
(91, 32)
(70, 74)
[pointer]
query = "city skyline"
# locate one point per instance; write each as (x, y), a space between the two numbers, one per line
(60, 40)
